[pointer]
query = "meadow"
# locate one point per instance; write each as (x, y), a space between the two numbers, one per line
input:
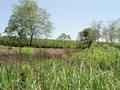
(32, 57)
(97, 68)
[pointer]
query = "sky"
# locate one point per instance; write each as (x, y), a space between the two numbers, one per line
(68, 16)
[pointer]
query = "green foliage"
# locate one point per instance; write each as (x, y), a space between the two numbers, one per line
(27, 50)
(28, 20)
(38, 43)
(94, 44)
(64, 36)
(97, 68)
(99, 57)
(89, 35)
(90, 70)
(13, 41)
(3, 47)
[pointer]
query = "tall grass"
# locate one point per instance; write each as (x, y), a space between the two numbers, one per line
(97, 68)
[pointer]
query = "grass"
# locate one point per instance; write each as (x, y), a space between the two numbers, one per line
(97, 68)
(27, 50)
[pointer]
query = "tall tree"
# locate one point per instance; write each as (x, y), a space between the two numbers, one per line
(28, 20)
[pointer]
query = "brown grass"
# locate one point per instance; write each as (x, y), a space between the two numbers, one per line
(46, 53)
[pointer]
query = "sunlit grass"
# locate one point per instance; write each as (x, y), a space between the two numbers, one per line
(97, 68)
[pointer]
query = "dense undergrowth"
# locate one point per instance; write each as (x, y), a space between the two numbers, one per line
(37, 43)
(97, 68)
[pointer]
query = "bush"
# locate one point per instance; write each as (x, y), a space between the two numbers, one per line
(101, 57)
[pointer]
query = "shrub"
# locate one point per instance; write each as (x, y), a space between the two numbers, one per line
(101, 57)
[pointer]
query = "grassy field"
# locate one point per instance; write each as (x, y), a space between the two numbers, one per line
(97, 68)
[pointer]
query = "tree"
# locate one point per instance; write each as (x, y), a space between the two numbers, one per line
(98, 26)
(88, 35)
(105, 34)
(111, 32)
(28, 20)
(118, 29)
(64, 36)
(118, 34)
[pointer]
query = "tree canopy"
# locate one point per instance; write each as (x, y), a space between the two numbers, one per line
(64, 36)
(89, 35)
(29, 20)
(111, 32)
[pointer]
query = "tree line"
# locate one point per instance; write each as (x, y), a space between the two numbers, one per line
(100, 32)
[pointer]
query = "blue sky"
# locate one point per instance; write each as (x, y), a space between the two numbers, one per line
(69, 16)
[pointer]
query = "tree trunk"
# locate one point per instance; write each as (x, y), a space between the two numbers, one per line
(31, 36)
(31, 39)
